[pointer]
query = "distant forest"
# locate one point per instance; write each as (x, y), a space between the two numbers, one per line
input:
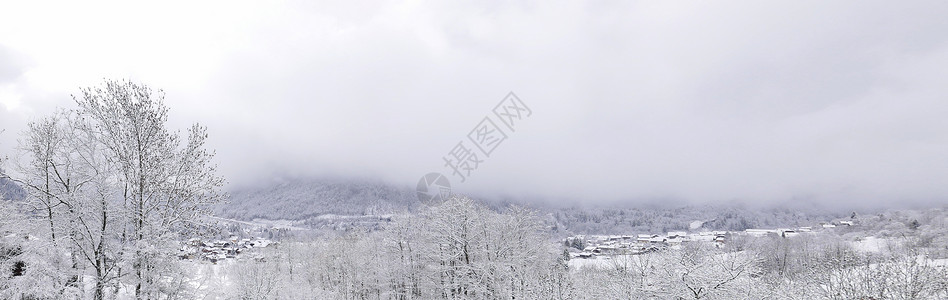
(306, 200)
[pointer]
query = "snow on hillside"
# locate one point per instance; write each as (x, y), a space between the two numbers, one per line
(302, 199)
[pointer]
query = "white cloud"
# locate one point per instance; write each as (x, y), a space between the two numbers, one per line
(733, 100)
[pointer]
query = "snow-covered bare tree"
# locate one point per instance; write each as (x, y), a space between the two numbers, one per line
(473, 252)
(162, 183)
(117, 187)
(701, 271)
(58, 175)
(30, 266)
(407, 266)
(458, 249)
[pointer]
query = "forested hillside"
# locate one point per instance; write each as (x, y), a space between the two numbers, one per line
(301, 199)
(313, 201)
(10, 190)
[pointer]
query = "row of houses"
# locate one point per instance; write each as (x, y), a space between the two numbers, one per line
(214, 251)
(781, 232)
(642, 243)
(792, 232)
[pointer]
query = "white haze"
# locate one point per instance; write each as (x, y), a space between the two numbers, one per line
(838, 102)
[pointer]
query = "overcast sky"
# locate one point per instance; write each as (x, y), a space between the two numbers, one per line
(834, 101)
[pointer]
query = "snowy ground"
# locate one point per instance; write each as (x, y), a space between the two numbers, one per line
(211, 280)
(872, 244)
(604, 262)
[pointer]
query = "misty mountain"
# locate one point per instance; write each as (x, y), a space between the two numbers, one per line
(9, 190)
(316, 202)
(301, 199)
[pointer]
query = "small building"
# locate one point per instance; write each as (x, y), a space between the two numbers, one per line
(760, 232)
(786, 232)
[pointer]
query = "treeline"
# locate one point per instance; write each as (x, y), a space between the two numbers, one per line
(592, 220)
(461, 249)
(458, 249)
(805, 267)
